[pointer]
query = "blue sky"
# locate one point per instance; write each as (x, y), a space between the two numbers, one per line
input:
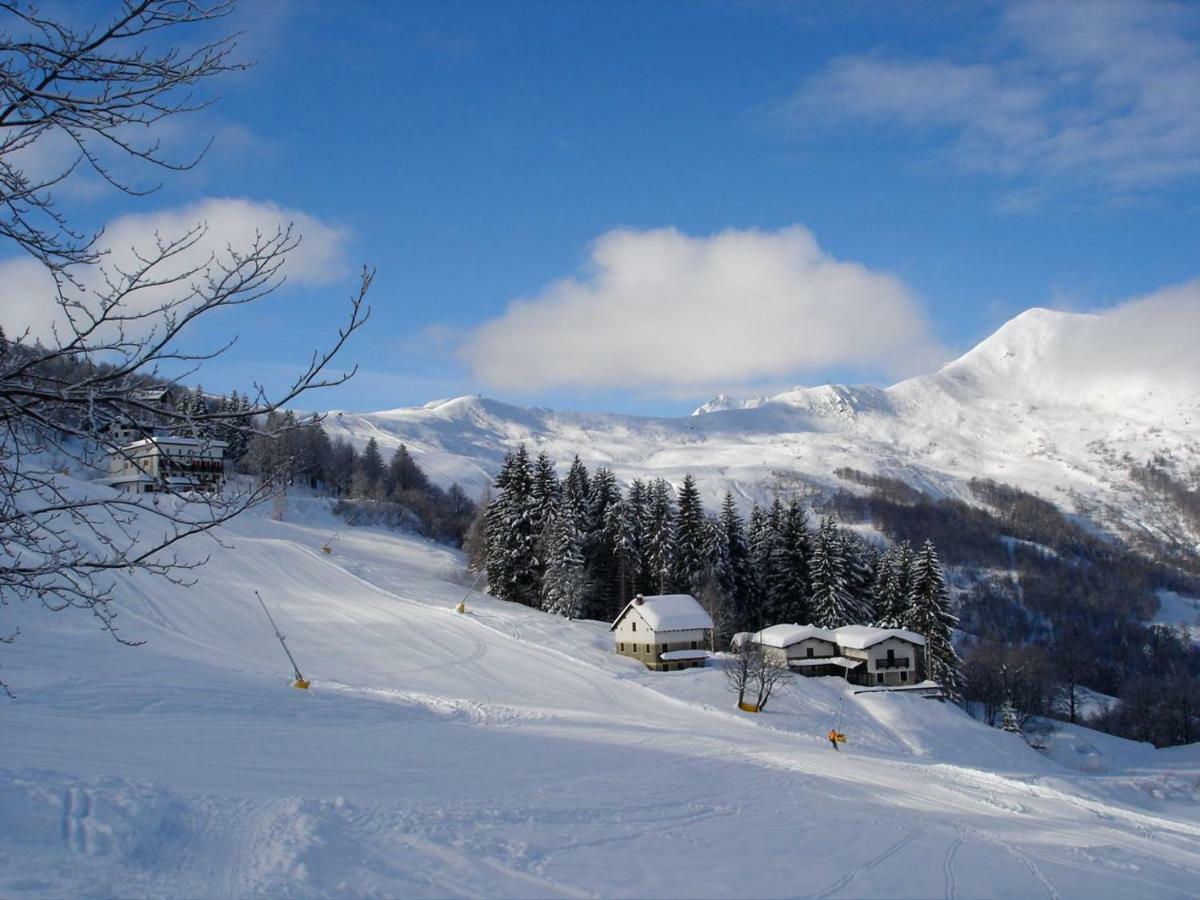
(892, 181)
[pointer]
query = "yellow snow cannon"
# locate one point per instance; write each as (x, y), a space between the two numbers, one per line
(748, 707)
(300, 683)
(461, 608)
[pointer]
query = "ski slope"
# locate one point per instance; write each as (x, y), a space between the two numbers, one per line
(505, 752)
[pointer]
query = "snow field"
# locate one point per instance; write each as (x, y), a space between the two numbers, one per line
(509, 753)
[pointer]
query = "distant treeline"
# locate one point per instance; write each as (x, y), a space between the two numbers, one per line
(1048, 607)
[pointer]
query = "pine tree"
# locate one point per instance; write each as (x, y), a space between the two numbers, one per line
(776, 575)
(659, 540)
(620, 534)
(758, 540)
(403, 474)
(638, 512)
(929, 615)
(736, 575)
(795, 578)
(371, 469)
(690, 557)
(885, 592)
(1008, 718)
(861, 560)
(546, 491)
(513, 566)
(830, 601)
(599, 551)
(564, 586)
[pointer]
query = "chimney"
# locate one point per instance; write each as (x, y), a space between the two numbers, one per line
(639, 600)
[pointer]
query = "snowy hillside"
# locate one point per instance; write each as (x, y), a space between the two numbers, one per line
(1025, 407)
(505, 752)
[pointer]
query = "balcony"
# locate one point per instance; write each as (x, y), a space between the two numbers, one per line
(898, 662)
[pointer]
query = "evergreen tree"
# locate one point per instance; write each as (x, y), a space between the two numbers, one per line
(564, 586)
(370, 470)
(621, 535)
(736, 572)
(546, 491)
(758, 539)
(659, 540)
(638, 512)
(690, 557)
(513, 565)
(861, 560)
(778, 584)
(1008, 718)
(794, 576)
(929, 615)
(403, 474)
(830, 601)
(599, 550)
(887, 598)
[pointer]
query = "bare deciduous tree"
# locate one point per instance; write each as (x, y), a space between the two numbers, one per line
(119, 326)
(752, 671)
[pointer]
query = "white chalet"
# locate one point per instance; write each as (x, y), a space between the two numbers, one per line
(665, 632)
(167, 464)
(868, 656)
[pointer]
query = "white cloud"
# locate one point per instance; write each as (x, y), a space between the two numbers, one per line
(1145, 342)
(27, 292)
(664, 311)
(1101, 93)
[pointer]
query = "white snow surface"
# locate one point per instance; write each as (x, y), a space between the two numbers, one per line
(860, 637)
(505, 752)
(785, 635)
(670, 612)
(1018, 408)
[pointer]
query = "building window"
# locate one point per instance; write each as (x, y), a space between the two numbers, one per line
(622, 647)
(693, 645)
(879, 678)
(666, 647)
(633, 626)
(809, 652)
(904, 676)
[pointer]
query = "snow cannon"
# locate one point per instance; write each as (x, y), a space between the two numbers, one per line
(300, 683)
(748, 707)
(461, 609)
(326, 549)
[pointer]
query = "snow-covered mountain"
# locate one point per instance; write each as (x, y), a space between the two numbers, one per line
(1048, 403)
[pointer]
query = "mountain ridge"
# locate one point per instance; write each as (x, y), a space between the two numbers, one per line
(1029, 405)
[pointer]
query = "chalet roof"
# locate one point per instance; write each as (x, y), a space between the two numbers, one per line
(860, 637)
(785, 635)
(175, 441)
(669, 612)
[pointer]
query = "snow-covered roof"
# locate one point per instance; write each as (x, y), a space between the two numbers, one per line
(786, 635)
(843, 661)
(684, 654)
(669, 612)
(860, 637)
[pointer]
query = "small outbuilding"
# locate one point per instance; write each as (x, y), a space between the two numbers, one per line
(664, 632)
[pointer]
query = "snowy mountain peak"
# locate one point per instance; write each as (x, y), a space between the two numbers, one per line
(724, 402)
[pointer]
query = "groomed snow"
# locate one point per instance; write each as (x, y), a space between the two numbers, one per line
(507, 753)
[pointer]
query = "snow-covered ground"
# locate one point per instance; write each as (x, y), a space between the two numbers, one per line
(1178, 611)
(505, 752)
